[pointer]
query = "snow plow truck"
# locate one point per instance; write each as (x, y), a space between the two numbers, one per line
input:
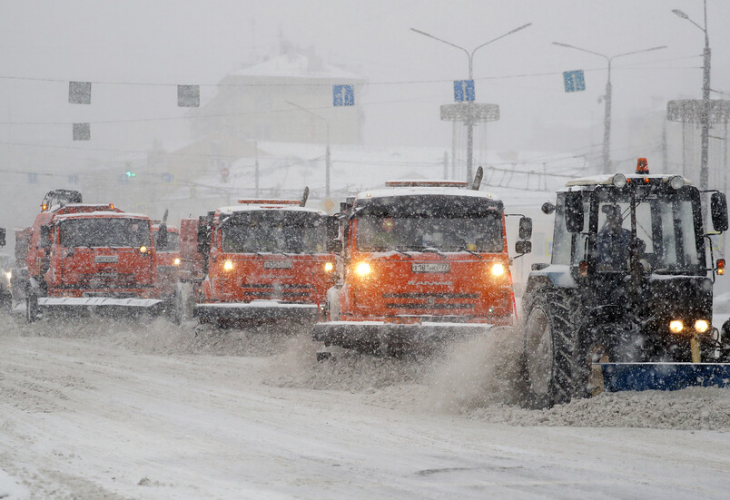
(420, 262)
(626, 301)
(262, 262)
(90, 257)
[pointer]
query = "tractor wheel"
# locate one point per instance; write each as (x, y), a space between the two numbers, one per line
(550, 340)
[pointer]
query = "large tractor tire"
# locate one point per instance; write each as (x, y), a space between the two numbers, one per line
(551, 327)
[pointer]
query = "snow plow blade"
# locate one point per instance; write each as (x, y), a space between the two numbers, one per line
(257, 311)
(663, 376)
(99, 304)
(373, 334)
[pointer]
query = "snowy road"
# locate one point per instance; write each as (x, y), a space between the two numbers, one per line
(109, 412)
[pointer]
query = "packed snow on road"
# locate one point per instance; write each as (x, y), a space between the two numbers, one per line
(97, 409)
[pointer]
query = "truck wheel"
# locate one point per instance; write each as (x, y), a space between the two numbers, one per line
(31, 308)
(549, 347)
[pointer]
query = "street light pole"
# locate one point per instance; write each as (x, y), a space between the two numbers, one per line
(327, 153)
(705, 112)
(606, 168)
(470, 119)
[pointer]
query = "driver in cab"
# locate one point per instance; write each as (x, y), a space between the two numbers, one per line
(613, 242)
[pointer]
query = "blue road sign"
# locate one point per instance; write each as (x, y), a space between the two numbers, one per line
(343, 95)
(464, 90)
(574, 81)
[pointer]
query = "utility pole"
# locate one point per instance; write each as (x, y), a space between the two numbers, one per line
(606, 168)
(469, 119)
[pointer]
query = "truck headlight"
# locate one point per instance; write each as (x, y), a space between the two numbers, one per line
(228, 265)
(143, 249)
(9, 275)
(329, 267)
(701, 326)
(497, 269)
(676, 326)
(176, 261)
(363, 269)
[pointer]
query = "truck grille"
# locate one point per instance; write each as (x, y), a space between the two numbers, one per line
(275, 291)
(433, 301)
(107, 280)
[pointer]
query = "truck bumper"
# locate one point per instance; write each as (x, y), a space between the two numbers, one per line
(663, 376)
(373, 334)
(99, 304)
(257, 311)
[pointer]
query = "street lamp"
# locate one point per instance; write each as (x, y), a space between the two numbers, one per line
(327, 155)
(705, 113)
(470, 120)
(607, 99)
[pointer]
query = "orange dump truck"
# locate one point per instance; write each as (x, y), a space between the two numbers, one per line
(420, 262)
(263, 261)
(84, 257)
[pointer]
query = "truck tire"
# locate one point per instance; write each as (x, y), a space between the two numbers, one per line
(549, 346)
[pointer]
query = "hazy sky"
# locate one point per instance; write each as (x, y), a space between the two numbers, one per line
(136, 51)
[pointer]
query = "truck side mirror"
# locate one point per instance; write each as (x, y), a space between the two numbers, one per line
(525, 231)
(574, 211)
(334, 246)
(2, 236)
(523, 246)
(333, 227)
(162, 239)
(718, 209)
(202, 236)
(45, 237)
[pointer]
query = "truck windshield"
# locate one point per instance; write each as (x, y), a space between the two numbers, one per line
(274, 231)
(448, 224)
(105, 232)
(668, 228)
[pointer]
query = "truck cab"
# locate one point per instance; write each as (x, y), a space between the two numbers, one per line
(263, 261)
(92, 257)
(420, 261)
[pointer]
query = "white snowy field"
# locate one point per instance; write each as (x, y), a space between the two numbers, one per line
(102, 410)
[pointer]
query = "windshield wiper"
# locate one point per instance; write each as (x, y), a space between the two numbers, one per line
(473, 253)
(403, 253)
(432, 250)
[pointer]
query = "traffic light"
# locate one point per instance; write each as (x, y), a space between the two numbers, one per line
(129, 173)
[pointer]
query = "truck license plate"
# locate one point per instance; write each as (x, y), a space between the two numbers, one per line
(278, 264)
(434, 267)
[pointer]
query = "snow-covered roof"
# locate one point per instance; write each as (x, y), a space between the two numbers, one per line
(295, 66)
(105, 214)
(79, 205)
(608, 179)
(257, 208)
(423, 191)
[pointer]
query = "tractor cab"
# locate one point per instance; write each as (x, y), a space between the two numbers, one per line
(639, 241)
